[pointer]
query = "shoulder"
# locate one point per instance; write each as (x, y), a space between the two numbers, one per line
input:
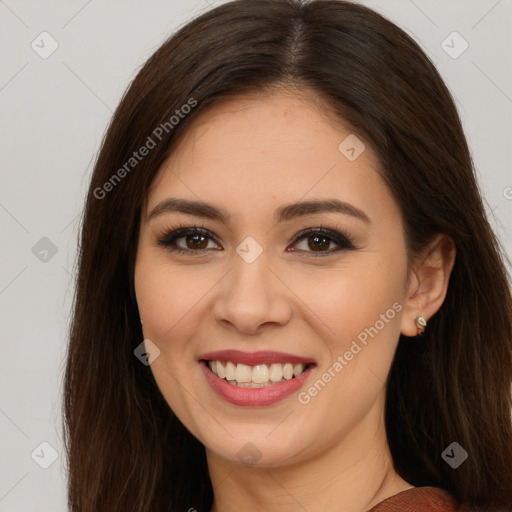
(419, 499)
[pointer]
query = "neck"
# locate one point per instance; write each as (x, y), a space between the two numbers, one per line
(351, 474)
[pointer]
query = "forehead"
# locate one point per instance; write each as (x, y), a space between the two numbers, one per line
(286, 123)
(253, 150)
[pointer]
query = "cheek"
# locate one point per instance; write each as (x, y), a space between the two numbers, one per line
(360, 311)
(359, 306)
(164, 296)
(351, 298)
(167, 302)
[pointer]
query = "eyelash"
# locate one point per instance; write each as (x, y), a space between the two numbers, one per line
(343, 241)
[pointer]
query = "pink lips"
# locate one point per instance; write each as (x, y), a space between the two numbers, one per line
(254, 396)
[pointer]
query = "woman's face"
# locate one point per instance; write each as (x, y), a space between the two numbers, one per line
(247, 282)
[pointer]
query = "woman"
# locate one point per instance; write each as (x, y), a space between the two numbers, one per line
(217, 361)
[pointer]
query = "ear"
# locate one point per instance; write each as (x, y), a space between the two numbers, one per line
(428, 283)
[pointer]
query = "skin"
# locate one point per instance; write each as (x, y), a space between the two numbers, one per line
(249, 155)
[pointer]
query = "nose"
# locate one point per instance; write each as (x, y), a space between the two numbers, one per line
(252, 297)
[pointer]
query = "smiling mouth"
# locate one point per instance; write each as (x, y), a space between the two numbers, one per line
(257, 376)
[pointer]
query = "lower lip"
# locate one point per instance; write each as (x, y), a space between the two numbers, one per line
(253, 396)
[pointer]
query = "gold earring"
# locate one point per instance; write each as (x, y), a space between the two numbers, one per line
(421, 323)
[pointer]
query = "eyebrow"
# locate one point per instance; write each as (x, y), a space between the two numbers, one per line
(284, 213)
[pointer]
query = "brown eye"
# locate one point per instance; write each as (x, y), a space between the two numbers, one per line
(318, 243)
(195, 240)
(319, 240)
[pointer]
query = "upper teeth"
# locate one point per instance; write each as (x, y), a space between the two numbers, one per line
(259, 374)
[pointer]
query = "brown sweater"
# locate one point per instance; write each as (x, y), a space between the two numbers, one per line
(419, 499)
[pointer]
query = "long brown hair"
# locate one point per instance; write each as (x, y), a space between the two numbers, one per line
(126, 449)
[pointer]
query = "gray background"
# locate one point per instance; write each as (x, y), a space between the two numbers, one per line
(54, 112)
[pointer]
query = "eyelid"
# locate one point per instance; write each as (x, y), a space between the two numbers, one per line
(183, 231)
(342, 239)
